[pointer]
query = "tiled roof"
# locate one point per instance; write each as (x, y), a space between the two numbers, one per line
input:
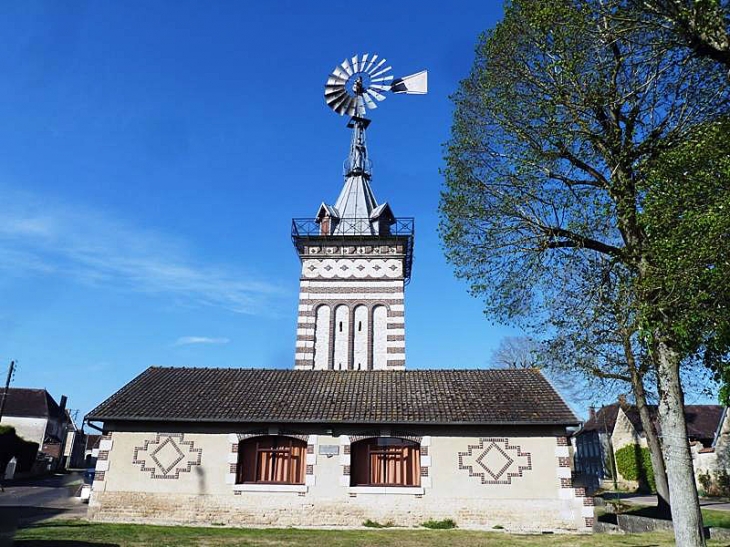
(31, 403)
(702, 420)
(370, 397)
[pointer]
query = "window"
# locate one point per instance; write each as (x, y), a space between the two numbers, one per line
(385, 461)
(271, 459)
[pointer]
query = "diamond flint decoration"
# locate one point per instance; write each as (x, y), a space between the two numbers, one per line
(168, 455)
(494, 461)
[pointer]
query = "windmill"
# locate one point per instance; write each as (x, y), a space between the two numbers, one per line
(359, 84)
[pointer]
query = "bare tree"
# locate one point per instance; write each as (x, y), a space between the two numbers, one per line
(516, 352)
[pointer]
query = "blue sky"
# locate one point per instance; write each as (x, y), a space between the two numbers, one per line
(152, 155)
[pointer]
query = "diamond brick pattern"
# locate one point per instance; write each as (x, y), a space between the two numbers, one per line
(495, 461)
(167, 455)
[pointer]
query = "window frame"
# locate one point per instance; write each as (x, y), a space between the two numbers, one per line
(287, 450)
(384, 451)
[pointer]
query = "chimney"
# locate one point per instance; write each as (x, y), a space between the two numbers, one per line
(622, 400)
(62, 404)
(591, 412)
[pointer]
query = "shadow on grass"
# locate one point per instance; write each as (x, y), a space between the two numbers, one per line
(21, 516)
(61, 543)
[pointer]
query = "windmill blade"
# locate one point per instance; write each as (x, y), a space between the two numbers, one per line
(355, 64)
(382, 78)
(382, 71)
(335, 80)
(330, 89)
(363, 62)
(339, 103)
(347, 68)
(352, 109)
(371, 63)
(342, 108)
(415, 84)
(339, 73)
(334, 97)
(376, 67)
(376, 95)
(369, 102)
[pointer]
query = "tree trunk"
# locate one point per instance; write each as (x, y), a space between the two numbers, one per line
(652, 438)
(655, 449)
(686, 514)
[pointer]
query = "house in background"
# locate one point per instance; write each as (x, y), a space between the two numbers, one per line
(38, 418)
(74, 448)
(619, 425)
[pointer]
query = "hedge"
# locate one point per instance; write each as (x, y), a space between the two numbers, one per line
(12, 445)
(634, 464)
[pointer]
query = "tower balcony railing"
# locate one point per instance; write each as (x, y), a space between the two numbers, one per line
(363, 227)
(358, 229)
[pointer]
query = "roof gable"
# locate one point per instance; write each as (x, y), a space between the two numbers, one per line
(31, 403)
(702, 420)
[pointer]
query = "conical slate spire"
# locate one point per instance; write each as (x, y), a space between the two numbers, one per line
(356, 211)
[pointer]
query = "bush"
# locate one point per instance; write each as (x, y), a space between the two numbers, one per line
(439, 524)
(13, 446)
(723, 482)
(634, 464)
(375, 524)
(705, 481)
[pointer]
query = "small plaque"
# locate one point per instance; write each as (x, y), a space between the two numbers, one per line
(329, 449)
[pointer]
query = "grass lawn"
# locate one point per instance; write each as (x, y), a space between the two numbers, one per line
(81, 533)
(718, 519)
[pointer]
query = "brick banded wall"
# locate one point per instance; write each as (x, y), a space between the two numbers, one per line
(583, 503)
(340, 290)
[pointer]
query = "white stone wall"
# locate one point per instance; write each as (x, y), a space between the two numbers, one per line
(361, 330)
(30, 429)
(524, 484)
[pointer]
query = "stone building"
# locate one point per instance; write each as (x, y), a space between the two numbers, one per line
(38, 418)
(618, 425)
(336, 448)
(348, 435)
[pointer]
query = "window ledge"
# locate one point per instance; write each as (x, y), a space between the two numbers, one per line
(412, 490)
(270, 487)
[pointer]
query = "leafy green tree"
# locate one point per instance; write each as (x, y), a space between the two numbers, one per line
(565, 111)
(701, 25)
(685, 211)
(595, 335)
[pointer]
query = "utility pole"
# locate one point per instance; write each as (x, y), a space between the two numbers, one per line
(11, 370)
